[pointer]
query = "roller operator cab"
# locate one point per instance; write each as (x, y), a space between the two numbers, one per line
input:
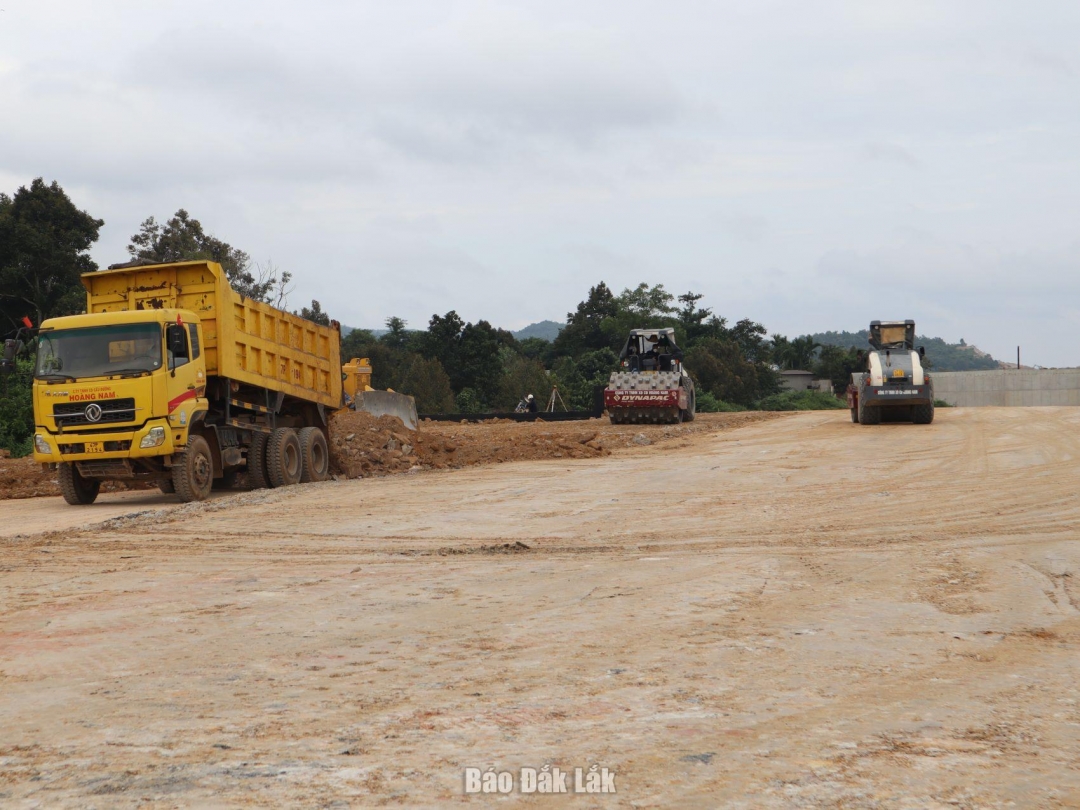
(894, 385)
(173, 378)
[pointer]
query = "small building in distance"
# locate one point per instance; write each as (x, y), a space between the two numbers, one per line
(797, 380)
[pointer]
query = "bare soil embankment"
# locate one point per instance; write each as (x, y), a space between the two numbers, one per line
(363, 446)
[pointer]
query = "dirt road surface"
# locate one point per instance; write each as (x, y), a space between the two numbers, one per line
(798, 613)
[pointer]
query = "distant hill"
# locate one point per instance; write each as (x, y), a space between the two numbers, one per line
(943, 356)
(545, 330)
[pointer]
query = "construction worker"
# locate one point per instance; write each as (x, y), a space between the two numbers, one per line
(531, 403)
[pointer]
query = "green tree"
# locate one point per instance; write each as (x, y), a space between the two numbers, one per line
(720, 368)
(521, 376)
(441, 342)
(750, 337)
(425, 380)
(356, 344)
(44, 239)
(478, 367)
(583, 330)
(182, 238)
(17, 408)
(468, 401)
(398, 336)
(694, 320)
(536, 348)
(315, 313)
(578, 378)
(642, 307)
(387, 366)
(837, 365)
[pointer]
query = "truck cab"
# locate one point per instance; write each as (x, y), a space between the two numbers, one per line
(115, 393)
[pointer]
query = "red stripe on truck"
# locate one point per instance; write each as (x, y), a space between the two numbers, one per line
(184, 397)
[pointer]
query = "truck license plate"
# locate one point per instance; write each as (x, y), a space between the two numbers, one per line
(95, 447)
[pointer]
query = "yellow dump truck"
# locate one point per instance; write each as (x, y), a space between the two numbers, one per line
(172, 377)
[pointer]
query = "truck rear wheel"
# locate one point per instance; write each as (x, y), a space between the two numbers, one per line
(77, 491)
(315, 455)
(284, 461)
(166, 486)
(193, 471)
(924, 414)
(256, 462)
(855, 415)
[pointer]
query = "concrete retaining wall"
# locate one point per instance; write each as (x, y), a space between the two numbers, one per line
(1015, 387)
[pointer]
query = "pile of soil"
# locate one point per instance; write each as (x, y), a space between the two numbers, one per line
(23, 478)
(362, 445)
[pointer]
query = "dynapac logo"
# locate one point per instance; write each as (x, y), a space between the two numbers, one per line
(642, 396)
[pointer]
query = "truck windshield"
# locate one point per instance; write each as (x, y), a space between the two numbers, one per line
(99, 351)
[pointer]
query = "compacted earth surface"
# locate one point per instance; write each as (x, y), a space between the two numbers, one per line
(795, 612)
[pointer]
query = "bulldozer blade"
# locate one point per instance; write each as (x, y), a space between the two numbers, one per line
(388, 403)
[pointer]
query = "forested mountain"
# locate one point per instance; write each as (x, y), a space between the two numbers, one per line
(545, 330)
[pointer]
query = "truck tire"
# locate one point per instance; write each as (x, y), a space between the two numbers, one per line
(868, 416)
(314, 455)
(166, 486)
(924, 414)
(284, 461)
(193, 470)
(77, 491)
(256, 462)
(855, 415)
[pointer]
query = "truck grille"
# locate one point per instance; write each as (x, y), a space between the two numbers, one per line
(69, 414)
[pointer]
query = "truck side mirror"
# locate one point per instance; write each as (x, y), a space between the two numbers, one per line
(176, 340)
(7, 363)
(922, 351)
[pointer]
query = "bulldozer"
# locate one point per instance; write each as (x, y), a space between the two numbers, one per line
(895, 386)
(651, 385)
(360, 396)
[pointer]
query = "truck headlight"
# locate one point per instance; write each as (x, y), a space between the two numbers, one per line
(152, 439)
(41, 445)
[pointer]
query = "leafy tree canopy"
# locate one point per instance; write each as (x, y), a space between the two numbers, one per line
(44, 239)
(183, 238)
(315, 313)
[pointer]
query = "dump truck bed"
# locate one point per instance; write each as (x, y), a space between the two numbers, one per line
(245, 340)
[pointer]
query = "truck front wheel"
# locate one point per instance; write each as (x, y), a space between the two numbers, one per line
(77, 491)
(193, 471)
(283, 458)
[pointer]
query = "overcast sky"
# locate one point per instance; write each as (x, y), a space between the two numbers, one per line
(809, 165)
